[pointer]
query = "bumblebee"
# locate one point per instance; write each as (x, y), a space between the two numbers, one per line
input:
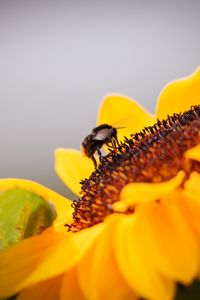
(101, 135)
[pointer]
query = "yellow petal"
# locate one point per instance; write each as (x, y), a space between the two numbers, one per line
(62, 204)
(106, 281)
(193, 184)
(18, 261)
(63, 287)
(179, 95)
(118, 110)
(72, 167)
(193, 153)
(189, 204)
(134, 260)
(137, 193)
(70, 289)
(65, 255)
(171, 242)
(49, 289)
(24, 264)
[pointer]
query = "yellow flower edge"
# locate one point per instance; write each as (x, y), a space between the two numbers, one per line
(138, 193)
(62, 205)
(193, 153)
(179, 95)
(122, 111)
(72, 166)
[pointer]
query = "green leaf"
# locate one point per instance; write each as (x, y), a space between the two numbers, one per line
(191, 292)
(22, 214)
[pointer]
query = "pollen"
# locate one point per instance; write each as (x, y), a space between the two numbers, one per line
(154, 155)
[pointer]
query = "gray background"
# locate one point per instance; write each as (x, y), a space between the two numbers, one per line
(59, 58)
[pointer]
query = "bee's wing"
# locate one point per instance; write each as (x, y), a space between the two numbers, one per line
(102, 134)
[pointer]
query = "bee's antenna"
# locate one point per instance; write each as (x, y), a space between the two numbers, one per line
(120, 127)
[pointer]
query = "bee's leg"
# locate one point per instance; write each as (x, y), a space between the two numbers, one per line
(113, 144)
(117, 142)
(99, 153)
(94, 160)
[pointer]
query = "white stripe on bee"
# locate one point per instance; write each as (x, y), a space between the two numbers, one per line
(103, 134)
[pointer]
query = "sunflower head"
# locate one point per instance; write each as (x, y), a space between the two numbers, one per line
(155, 154)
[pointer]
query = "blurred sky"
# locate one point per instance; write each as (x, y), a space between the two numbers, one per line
(59, 58)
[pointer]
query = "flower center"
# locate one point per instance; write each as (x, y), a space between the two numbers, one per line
(153, 155)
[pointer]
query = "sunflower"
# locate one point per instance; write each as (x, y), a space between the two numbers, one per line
(135, 231)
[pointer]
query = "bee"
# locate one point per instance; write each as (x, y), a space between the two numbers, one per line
(101, 135)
